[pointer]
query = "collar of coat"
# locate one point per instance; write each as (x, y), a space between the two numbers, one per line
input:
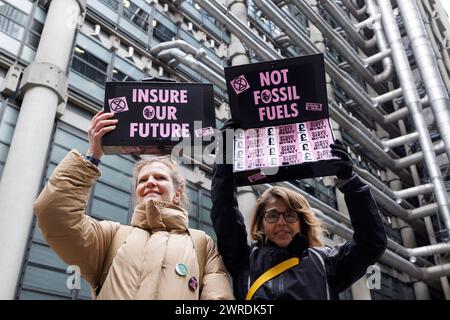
(155, 216)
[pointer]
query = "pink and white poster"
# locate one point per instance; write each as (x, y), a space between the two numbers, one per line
(283, 145)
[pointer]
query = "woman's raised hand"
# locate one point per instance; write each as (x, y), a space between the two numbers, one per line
(101, 124)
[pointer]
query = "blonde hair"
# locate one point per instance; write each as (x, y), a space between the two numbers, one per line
(178, 180)
(310, 226)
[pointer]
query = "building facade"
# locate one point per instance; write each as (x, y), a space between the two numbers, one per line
(387, 66)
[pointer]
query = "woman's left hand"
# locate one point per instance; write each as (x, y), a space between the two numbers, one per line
(101, 124)
(345, 163)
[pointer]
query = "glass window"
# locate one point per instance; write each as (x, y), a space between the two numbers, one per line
(8, 119)
(136, 15)
(162, 33)
(34, 34)
(89, 65)
(200, 209)
(113, 4)
(12, 20)
(118, 75)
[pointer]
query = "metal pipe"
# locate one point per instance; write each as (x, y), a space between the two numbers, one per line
(430, 250)
(186, 47)
(442, 41)
(368, 22)
(388, 96)
(427, 220)
(412, 101)
(356, 12)
(238, 28)
(377, 57)
(423, 211)
(189, 60)
(411, 137)
(436, 49)
(427, 65)
(388, 66)
(397, 115)
(414, 191)
(340, 44)
(417, 157)
(333, 9)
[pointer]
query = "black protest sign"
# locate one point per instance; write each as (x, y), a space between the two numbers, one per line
(155, 116)
(282, 107)
(278, 92)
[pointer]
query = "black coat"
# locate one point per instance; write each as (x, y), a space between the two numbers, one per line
(322, 272)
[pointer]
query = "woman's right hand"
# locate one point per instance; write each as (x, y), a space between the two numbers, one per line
(100, 125)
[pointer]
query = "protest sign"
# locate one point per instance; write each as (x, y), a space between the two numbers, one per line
(282, 105)
(278, 92)
(155, 116)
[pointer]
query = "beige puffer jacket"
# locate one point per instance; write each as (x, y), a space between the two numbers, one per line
(144, 267)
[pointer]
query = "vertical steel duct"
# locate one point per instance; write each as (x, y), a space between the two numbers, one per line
(426, 62)
(412, 101)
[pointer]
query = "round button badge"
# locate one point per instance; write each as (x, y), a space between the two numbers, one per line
(181, 269)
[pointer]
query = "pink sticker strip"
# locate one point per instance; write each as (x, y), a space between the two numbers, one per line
(202, 132)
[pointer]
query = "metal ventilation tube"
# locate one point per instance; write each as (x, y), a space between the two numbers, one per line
(434, 44)
(186, 47)
(235, 26)
(342, 46)
(347, 25)
(189, 60)
(413, 103)
(428, 68)
(356, 12)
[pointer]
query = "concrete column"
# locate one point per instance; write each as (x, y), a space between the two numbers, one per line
(236, 50)
(247, 201)
(22, 175)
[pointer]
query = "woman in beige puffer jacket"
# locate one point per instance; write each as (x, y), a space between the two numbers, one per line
(158, 260)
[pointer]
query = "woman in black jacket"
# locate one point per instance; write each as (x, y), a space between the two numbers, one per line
(287, 259)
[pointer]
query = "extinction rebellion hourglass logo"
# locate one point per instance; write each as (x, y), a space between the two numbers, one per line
(240, 84)
(118, 104)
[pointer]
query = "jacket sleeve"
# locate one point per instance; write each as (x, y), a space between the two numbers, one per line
(216, 282)
(348, 262)
(60, 210)
(228, 221)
